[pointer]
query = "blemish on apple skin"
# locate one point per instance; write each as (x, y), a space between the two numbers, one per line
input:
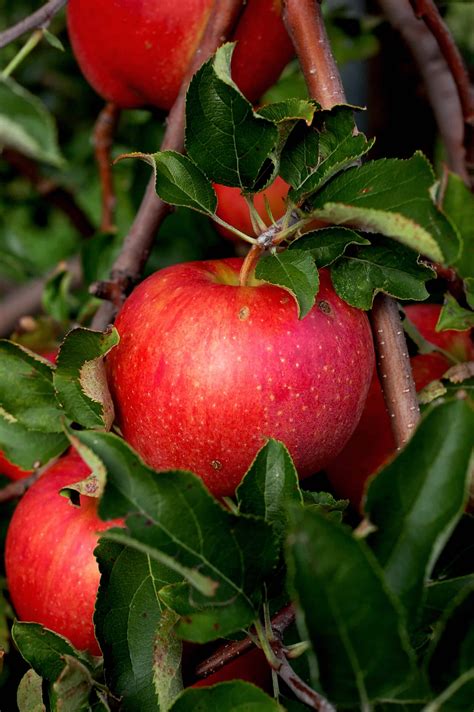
(244, 313)
(324, 307)
(216, 464)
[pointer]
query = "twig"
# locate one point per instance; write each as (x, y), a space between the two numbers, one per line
(393, 365)
(439, 82)
(229, 651)
(300, 689)
(27, 299)
(40, 18)
(56, 195)
(314, 52)
(305, 25)
(17, 489)
(137, 245)
(104, 132)
(427, 10)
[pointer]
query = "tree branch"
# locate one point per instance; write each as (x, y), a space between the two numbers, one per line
(137, 245)
(437, 77)
(229, 651)
(299, 688)
(56, 195)
(26, 299)
(305, 23)
(17, 489)
(104, 132)
(40, 18)
(394, 369)
(427, 10)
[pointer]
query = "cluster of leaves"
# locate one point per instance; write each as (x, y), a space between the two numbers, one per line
(388, 204)
(383, 632)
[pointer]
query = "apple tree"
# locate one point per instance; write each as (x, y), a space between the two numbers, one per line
(236, 413)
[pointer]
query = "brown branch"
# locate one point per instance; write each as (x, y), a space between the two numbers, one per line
(17, 489)
(394, 369)
(315, 56)
(427, 10)
(305, 25)
(40, 18)
(229, 651)
(56, 195)
(26, 299)
(299, 688)
(438, 80)
(137, 245)
(104, 132)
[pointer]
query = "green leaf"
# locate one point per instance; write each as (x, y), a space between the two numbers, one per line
(30, 693)
(56, 298)
(26, 125)
(270, 485)
(27, 395)
(457, 697)
(325, 503)
(312, 155)
(179, 181)
(417, 499)
(454, 316)
(98, 254)
(327, 244)
(141, 667)
(392, 197)
(70, 692)
(383, 267)
(439, 595)
(354, 623)
(80, 379)
(175, 520)
(451, 652)
(289, 110)
(296, 272)
(458, 205)
(224, 136)
(233, 696)
(53, 40)
(29, 448)
(43, 649)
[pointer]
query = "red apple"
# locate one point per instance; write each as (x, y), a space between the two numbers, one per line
(135, 53)
(207, 370)
(232, 207)
(251, 667)
(372, 443)
(52, 574)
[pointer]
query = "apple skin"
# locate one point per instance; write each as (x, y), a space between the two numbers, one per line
(373, 443)
(232, 207)
(135, 53)
(52, 574)
(251, 667)
(206, 371)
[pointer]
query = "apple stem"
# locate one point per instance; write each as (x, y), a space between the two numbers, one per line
(249, 264)
(236, 231)
(103, 138)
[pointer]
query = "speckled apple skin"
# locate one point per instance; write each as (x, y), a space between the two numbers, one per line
(135, 52)
(52, 574)
(206, 371)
